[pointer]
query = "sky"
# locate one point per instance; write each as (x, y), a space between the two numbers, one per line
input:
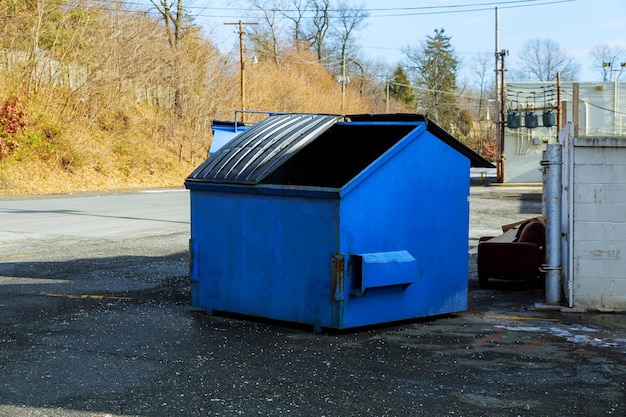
(575, 25)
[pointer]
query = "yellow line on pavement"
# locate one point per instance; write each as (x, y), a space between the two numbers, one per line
(90, 296)
(18, 255)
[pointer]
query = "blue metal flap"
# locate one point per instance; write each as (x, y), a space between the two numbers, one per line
(383, 269)
(224, 133)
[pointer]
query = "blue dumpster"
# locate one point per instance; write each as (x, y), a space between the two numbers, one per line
(333, 222)
(224, 132)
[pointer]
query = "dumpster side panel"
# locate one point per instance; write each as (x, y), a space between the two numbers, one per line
(266, 256)
(416, 201)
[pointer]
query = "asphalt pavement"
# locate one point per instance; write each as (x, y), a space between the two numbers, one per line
(95, 321)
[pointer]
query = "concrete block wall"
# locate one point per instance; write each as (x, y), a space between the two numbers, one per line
(599, 244)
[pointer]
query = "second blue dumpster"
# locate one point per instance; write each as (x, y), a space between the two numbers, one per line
(333, 222)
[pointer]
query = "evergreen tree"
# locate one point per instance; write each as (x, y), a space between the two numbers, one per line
(436, 65)
(400, 87)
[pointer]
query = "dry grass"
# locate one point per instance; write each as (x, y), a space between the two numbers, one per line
(106, 171)
(74, 159)
(299, 84)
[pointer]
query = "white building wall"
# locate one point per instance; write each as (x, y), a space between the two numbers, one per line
(524, 150)
(599, 233)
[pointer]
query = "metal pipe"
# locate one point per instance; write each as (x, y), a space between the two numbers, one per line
(586, 118)
(552, 211)
(616, 103)
(569, 183)
(576, 108)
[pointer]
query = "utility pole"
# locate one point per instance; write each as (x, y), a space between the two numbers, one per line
(343, 80)
(502, 157)
(242, 66)
(498, 118)
(500, 104)
(387, 96)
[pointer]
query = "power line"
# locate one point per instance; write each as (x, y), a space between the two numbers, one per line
(401, 11)
(452, 93)
(478, 7)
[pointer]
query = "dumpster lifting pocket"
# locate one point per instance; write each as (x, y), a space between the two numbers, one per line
(382, 269)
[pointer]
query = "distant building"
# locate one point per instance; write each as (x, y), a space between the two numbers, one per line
(532, 112)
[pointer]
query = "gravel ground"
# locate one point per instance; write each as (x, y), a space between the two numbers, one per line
(104, 328)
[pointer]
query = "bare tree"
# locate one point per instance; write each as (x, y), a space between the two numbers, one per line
(317, 29)
(543, 59)
(173, 20)
(108, 74)
(265, 37)
(174, 29)
(349, 20)
(297, 17)
(481, 65)
(608, 60)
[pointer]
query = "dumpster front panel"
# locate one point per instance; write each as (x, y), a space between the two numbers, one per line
(264, 256)
(418, 205)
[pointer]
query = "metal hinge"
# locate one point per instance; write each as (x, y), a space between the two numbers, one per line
(337, 271)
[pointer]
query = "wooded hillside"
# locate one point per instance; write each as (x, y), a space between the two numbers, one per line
(95, 95)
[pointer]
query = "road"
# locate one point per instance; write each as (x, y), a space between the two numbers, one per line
(40, 234)
(95, 321)
(110, 215)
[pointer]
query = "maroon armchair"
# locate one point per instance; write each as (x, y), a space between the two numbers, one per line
(519, 259)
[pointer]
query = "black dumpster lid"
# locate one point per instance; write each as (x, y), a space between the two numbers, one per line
(263, 150)
(476, 161)
(260, 149)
